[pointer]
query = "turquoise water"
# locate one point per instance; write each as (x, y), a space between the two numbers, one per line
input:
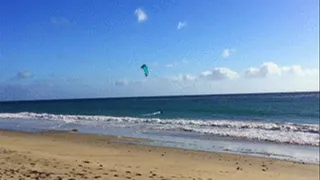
(257, 120)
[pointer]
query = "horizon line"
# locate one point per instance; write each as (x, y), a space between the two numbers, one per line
(157, 96)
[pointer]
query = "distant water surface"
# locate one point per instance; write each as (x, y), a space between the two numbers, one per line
(278, 118)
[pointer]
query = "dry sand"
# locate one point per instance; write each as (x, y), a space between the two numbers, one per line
(65, 155)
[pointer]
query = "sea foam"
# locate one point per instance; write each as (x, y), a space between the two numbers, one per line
(292, 133)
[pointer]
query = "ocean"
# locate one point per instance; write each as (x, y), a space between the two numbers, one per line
(274, 125)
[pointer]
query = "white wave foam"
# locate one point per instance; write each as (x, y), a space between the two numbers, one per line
(304, 134)
(290, 137)
(152, 114)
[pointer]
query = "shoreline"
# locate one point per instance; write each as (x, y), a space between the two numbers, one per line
(182, 143)
(146, 142)
(67, 154)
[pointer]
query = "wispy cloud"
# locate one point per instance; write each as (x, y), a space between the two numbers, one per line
(141, 15)
(181, 25)
(268, 77)
(221, 73)
(177, 63)
(60, 21)
(184, 61)
(216, 74)
(181, 77)
(121, 82)
(170, 65)
(23, 75)
(227, 52)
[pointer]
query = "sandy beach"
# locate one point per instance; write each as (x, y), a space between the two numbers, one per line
(71, 155)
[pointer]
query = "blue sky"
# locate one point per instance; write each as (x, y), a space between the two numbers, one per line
(79, 48)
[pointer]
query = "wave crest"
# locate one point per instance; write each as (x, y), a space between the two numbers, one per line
(304, 134)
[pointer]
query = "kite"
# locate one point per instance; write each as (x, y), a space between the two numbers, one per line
(145, 69)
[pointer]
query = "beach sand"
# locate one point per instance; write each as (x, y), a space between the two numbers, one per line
(70, 155)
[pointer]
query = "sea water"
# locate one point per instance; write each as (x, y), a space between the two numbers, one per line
(275, 125)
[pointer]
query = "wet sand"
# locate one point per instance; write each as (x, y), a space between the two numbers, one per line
(70, 155)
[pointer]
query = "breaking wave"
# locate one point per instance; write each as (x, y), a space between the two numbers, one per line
(303, 134)
(152, 114)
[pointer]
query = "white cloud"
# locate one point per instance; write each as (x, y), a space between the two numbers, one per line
(227, 52)
(141, 15)
(311, 72)
(190, 77)
(220, 74)
(252, 73)
(271, 69)
(265, 70)
(181, 25)
(206, 73)
(299, 71)
(295, 69)
(276, 79)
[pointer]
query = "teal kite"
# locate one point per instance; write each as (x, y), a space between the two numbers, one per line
(145, 69)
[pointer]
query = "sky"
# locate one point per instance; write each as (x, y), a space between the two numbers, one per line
(86, 49)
